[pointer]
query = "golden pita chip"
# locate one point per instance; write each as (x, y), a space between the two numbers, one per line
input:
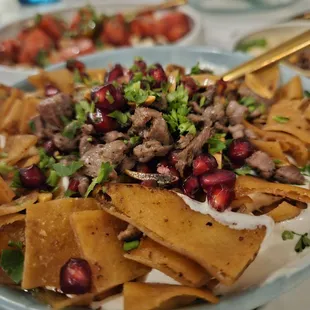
(291, 90)
(285, 116)
(8, 103)
(50, 240)
(6, 193)
(17, 146)
(246, 185)
(237, 203)
(171, 263)
(96, 234)
(26, 162)
(29, 111)
(146, 296)
(11, 218)
(172, 219)
(97, 74)
(261, 201)
(284, 211)
(11, 121)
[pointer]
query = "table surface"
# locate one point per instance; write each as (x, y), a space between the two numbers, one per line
(222, 31)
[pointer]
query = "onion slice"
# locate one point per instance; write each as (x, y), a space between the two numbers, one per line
(161, 179)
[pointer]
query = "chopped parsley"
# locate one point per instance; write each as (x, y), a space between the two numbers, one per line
(52, 179)
(134, 140)
(103, 176)
(134, 93)
(245, 46)
(281, 119)
(277, 161)
(42, 58)
(45, 160)
(307, 93)
(71, 129)
(12, 261)
(37, 19)
(66, 171)
(202, 101)
(196, 69)
(301, 244)
(69, 193)
(32, 126)
(77, 76)
(131, 245)
(5, 168)
(245, 170)
(305, 170)
(16, 182)
(216, 143)
(251, 104)
(122, 118)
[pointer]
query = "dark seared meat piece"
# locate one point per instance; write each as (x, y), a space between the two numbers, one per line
(161, 103)
(196, 108)
(113, 152)
(262, 162)
(209, 94)
(65, 144)
(131, 233)
(128, 163)
(38, 127)
(114, 135)
(86, 139)
(244, 91)
(186, 156)
(150, 125)
(149, 149)
(53, 108)
(289, 174)
(237, 131)
(184, 141)
(235, 112)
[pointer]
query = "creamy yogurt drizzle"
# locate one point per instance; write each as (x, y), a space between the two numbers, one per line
(2, 141)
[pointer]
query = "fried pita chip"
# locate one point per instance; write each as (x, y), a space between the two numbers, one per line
(291, 90)
(264, 82)
(246, 185)
(284, 211)
(172, 219)
(50, 240)
(173, 264)
(29, 111)
(6, 193)
(261, 200)
(11, 218)
(146, 296)
(97, 74)
(96, 233)
(285, 116)
(237, 203)
(17, 146)
(8, 103)
(11, 122)
(26, 162)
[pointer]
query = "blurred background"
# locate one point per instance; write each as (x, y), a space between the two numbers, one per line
(29, 40)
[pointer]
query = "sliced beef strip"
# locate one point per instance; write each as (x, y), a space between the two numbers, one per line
(38, 127)
(53, 108)
(65, 144)
(113, 152)
(128, 163)
(235, 112)
(114, 135)
(237, 131)
(184, 141)
(263, 163)
(196, 118)
(130, 234)
(149, 149)
(289, 174)
(186, 156)
(158, 129)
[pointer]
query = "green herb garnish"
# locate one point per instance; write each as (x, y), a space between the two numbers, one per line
(307, 93)
(216, 144)
(71, 129)
(245, 170)
(42, 58)
(45, 160)
(301, 244)
(277, 161)
(245, 46)
(52, 179)
(281, 119)
(16, 182)
(5, 168)
(32, 126)
(103, 176)
(196, 69)
(134, 93)
(66, 171)
(122, 118)
(305, 170)
(37, 19)
(128, 246)
(69, 193)
(134, 140)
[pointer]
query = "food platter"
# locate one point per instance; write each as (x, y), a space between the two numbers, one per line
(296, 270)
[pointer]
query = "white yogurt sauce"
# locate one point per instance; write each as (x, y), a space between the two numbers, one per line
(2, 141)
(65, 183)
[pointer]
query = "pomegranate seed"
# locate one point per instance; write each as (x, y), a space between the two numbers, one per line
(158, 74)
(108, 97)
(191, 186)
(102, 122)
(239, 150)
(173, 157)
(204, 163)
(140, 64)
(218, 177)
(32, 177)
(220, 197)
(74, 185)
(116, 72)
(73, 64)
(149, 183)
(143, 168)
(75, 276)
(49, 147)
(51, 90)
(190, 85)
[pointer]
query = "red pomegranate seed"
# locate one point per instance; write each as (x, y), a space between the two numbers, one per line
(49, 147)
(73, 64)
(143, 168)
(32, 177)
(74, 185)
(116, 72)
(190, 85)
(51, 90)
(102, 122)
(158, 74)
(191, 186)
(220, 197)
(140, 64)
(204, 163)
(75, 276)
(107, 97)
(149, 183)
(216, 178)
(239, 150)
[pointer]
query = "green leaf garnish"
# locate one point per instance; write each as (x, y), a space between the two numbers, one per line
(5, 168)
(307, 93)
(17, 244)
(42, 58)
(103, 175)
(69, 193)
(134, 140)
(32, 126)
(196, 69)
(128, 246)
(277, 161)
(45, 160)
(37, 19)
(302, 243)
(16, 183)
(245, 170)
(71, 129)
(66, 171)
(216, 144)
(77, 76)
(12, 261)
(134, 93)
(248, 45)
(202, 101)
(52, 179)
(287, 235)
(281, 119)
(122, 118)
(305, 170)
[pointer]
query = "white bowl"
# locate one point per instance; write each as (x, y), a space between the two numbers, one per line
(10, 75)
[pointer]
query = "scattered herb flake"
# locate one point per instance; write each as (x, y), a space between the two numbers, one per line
(196, 69)
(128, 246)
(42, 58)
(134, 93)
(277, 161)
(45, 160)
(71, 129)
(281, 119)
(16, 183)
(77, 76)
(245, 46)
(134, 140)
(5, 168)
(52, 179)
(245, 170)
(216, 143)
(307, 93)
(66, 171)
(32, 126)
(302, 243)
(122, 118)
(69, 193)
(305, 170)
(202, 101)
